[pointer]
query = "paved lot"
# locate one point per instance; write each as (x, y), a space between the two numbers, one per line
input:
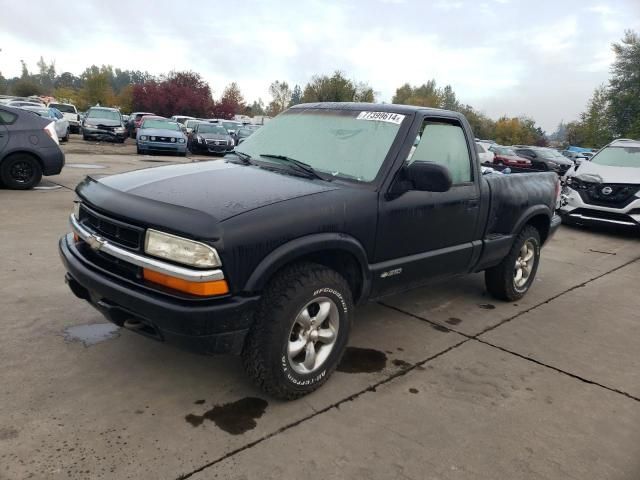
(443, 382)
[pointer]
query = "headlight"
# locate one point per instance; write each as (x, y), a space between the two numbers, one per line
(199, 139)
(88, 125)
(143, 137)
(119, 129)
(173, 140)
(153, 139)
(181, 250)
(181, 140)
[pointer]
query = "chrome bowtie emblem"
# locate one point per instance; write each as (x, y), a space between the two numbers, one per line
(94, 242)
(607, 190)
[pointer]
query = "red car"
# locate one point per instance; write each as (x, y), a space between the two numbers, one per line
(508, 157)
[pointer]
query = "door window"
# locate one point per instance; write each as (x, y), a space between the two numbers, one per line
(445, 144)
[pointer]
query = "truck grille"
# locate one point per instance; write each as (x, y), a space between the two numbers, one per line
(119, 233)
(613, 195)
(163, 139)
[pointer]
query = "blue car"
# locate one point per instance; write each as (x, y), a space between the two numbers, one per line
(161, 136)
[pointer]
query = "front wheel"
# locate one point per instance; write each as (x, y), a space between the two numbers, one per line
(300, 331)
(512, 278)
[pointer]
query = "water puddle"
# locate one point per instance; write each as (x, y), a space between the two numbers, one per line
(400, 363)
(235, 418)
(487, 306)
(92, 333)
(362, 360)
(84, 165)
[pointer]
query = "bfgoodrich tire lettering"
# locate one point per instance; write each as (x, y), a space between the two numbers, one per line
(283, 338)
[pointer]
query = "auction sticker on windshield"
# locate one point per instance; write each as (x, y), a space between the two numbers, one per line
(381, 117)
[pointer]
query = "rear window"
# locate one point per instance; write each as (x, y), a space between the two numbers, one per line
(7, 118)
(63, 108)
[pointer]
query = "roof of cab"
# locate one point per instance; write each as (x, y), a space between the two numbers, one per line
(377, 107)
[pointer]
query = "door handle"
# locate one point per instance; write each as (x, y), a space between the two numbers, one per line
(471, 204)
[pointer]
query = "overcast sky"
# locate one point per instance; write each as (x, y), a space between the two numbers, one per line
(539, 58)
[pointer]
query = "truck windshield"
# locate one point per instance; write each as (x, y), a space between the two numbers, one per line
(343, 143)
(618, 157)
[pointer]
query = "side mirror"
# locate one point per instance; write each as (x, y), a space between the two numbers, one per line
(428, 176)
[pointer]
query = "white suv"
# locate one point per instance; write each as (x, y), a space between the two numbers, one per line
(606, 189)
(70, 114)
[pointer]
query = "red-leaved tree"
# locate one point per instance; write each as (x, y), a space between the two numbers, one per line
(180, 93)
(231, 103)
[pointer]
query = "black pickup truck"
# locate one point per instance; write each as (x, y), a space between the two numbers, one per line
(266, 253)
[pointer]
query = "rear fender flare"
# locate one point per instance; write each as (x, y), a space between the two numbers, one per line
(529, 213)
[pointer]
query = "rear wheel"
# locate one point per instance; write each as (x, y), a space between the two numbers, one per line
(512, 278)
(20, 172)
(66, 137)
(300, 331)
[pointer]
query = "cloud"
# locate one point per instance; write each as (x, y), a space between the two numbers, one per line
(543, 58)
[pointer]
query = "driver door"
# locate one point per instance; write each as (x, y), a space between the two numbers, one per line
(422, 235)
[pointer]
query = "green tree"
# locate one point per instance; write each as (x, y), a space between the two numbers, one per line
(624, 87)
(336, 88)
(596, 121)
(296, 96)
(281, 95)
(25, 87)
(425, 95)
(97, 89)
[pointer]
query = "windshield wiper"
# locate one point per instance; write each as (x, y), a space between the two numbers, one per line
(301, 166)
(245, 157)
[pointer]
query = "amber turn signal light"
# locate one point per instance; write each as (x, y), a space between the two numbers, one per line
(202, 289)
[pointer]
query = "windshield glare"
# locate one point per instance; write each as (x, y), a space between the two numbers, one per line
(618, 157)
(204, 128)
(335, 142)
(105, 114)
(161, 124)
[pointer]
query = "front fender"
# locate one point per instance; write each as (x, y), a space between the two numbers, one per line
(300, 247)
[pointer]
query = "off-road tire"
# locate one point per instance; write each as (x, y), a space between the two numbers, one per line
(264, 354)
(500, 281)
(7, 172)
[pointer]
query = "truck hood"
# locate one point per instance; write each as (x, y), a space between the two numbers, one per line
(193, 198)
(605, 174)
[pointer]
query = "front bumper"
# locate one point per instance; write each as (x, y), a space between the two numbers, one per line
(212, 148)
(103, 134)
(162, 146)
(208, 326)
(574, 209)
